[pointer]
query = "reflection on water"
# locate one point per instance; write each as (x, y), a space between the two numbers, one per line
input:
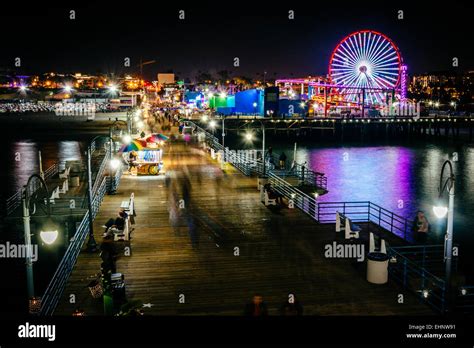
(401, 179)
(21, 160)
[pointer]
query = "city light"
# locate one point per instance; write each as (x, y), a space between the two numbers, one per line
(212, 124)
(302, 105)
(114, 163)
(112, 88)
(223, 94)
(254, 105)
(248, 136)
(204, 118)
(23, 88)
(68, 89)
(127, 139)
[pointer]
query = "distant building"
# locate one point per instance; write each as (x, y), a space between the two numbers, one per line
(165, 79)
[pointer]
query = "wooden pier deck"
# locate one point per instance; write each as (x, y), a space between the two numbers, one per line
(280, 251)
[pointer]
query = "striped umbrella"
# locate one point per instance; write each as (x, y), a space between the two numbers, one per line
(156, 137)
(133, 146)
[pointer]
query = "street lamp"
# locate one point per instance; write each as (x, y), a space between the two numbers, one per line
(48, 233)
(248, 136)
(440, 210)
(454, 105)
(114, 163)
(113, 89)
(127, 139)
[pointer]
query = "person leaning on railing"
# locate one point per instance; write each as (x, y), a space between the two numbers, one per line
(421, 227)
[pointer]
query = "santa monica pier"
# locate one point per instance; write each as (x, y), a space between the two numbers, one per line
(348, 193)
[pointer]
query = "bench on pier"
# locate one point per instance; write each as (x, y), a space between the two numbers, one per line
(65, 173)
(122, 235)
(128, 205)
(54, 194)
(268, 200)
(372, 248)
(343, 223)
(64, 187)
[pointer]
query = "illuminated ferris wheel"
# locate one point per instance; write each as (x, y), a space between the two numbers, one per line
(366, 61)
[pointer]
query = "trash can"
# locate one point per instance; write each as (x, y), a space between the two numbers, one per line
(74, 181)
(377, 268)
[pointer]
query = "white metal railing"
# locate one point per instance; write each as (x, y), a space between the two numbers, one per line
(56, 286)
(14, 201)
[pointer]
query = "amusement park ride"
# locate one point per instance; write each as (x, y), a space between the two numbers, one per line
(366, 70)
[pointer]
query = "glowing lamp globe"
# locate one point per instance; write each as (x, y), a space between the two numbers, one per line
(114, 163)
(440, 211)
(49, 237)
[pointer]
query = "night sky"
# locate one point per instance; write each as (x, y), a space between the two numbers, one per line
(213, 33)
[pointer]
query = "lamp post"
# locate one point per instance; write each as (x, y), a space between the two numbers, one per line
(49, 235)
(440, 211)
(263, 149)
(91, 243)
(454, 104)
(223, 136)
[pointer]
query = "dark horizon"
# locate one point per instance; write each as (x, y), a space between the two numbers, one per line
(209, 38)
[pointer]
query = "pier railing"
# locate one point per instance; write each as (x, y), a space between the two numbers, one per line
(366, 211)
(415, 277)
(59, 280)
(14, 201)
(249, 166)
(301, 200)
(101, 171)
(465, 300)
